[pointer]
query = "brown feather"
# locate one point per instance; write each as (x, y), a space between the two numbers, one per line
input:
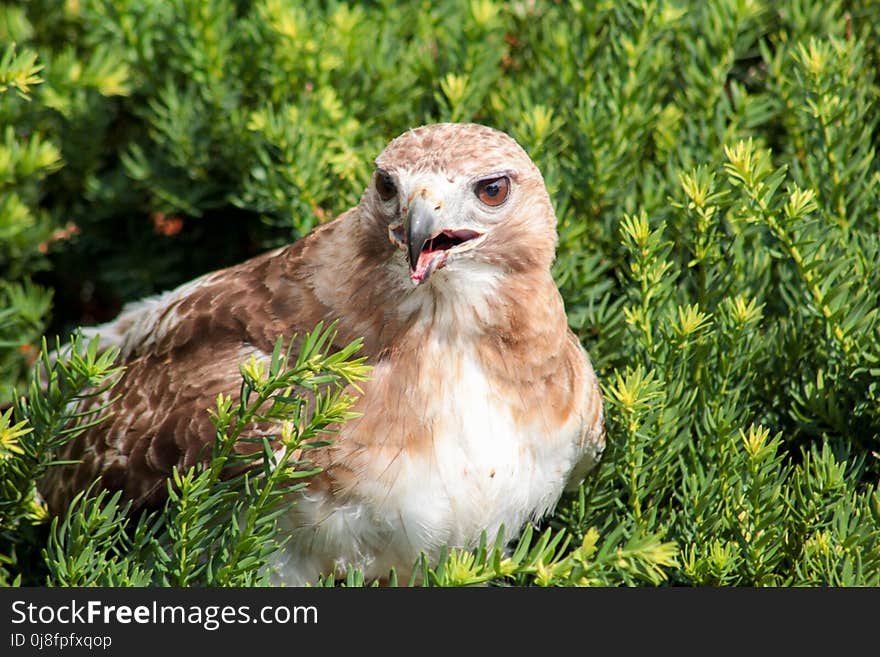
(349, 271)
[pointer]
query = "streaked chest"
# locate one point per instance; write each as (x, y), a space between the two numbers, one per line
(455, 455)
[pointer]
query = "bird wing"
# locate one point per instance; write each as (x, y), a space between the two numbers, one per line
(180, 350)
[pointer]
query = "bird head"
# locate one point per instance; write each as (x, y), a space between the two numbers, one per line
(459, 196)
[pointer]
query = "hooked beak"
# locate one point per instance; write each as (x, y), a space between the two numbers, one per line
(428, 244)
(422, 223)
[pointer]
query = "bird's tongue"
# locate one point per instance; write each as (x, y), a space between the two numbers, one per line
(428, 262)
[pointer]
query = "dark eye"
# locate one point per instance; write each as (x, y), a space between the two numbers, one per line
(493, 191)
(385, 186)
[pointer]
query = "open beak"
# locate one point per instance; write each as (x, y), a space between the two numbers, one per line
(422, 222)
(428, 243)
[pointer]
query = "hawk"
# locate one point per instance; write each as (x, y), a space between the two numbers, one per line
(482, 406)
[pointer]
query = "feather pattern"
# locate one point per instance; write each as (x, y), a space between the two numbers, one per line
(482, 406)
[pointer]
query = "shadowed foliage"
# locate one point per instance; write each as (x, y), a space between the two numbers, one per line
(714, 172)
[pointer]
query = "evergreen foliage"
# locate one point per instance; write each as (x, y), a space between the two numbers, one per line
(713, 167)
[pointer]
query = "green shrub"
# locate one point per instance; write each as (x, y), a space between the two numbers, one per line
(714, 172)
(26, 158)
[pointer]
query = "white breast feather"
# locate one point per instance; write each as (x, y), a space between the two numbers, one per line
(483, 472)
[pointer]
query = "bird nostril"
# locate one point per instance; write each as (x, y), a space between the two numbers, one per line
(398, 234)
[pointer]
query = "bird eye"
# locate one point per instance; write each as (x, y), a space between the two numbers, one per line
(385, 186)
(493, 191)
